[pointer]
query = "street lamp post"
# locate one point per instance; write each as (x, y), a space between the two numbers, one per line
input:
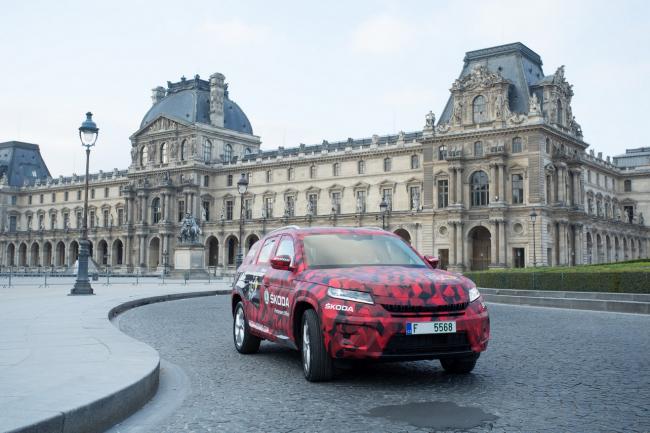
(383, 208)
(88, 133)
(242, 186)
(533, 217)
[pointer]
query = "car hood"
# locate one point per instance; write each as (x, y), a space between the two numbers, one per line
(417, 285)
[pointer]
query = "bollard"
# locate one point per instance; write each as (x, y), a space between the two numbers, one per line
(186, 276)
(10, 269)
(45, 282)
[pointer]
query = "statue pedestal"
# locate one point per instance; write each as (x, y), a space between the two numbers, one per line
(189, 258)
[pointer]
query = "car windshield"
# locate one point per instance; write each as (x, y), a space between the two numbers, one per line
(343, 250)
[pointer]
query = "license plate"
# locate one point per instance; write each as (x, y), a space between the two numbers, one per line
(415, 328)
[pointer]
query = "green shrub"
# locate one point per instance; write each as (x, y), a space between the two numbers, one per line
(583, 280)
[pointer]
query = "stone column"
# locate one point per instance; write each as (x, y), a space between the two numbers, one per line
(141, 250)
(459, 185)
(561, 185)
(502, 183)
(452, 244)
(464, 242)
(563, 247)
(126, 253)
(503, 255)
(452, 186)
(493, 183)
(494, 252)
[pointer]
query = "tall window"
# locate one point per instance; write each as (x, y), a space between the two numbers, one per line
(629, 213)
(478, 148)
(106, 217)
(361, 167)
(312, 204)
(268, 207)
(517, 189)
(415, 161)
(248, 209)
(79, 219)
(206, 210)
(29, 199)
(247, 151)
(336, 202)
(312, 172)
(207, 151)
(92, 193)
(290, 206)
(41, 198)
(91, 218)
(78, 196)
(336, 169)
(52, 221)
(229, 209)
(516, 145)
(627, 185)
(184, 150)
(414, 198)
(13, 223)
(144, 156)
(155, 210)
(290, 173)
(181, 210)
(65, 196)
(269, 176)
(361, 201)
(206, 180)
(478, 110)
(106, 190)
(548, 146)
(53, 198)
(120, 217)
(480, 189)
(387, 164)
(164, 158)
(443, 193)
(560, 112)
(442, 153)
(227, 153)
(387, 196)
(229, 180)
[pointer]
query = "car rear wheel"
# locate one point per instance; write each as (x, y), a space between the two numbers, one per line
(316, 362)
(459, 364)
(245, 342)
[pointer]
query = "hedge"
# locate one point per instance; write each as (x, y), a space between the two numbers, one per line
(618, 282)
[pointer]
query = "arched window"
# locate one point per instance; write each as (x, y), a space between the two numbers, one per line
(480, 189)
(478, 148)
(336, 169)
(227, 153)
(164, 159)
(415, 161)
(548, 146)
(144, 156)
(312, 172)
(442, 153)
(184, 150)
(290, 173)
(478, 109)
(155, 210)
(517, 145)
(517, 189)
(207, 151)
(247, 151)
(361, 167)
(387, 164)
(560, 113)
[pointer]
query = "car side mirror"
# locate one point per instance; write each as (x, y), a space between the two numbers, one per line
(281, 263)
(433, 261)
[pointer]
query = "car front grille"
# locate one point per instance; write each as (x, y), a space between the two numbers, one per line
(428, 343)
(419, 309)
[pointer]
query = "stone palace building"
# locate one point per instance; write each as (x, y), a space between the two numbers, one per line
(463, 188)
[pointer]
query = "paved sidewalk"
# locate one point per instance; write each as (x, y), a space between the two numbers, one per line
(64, 367)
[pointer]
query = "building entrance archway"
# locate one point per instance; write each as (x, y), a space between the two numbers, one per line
(480, 245)
(154, 253)
(404, 234)
(212, 246)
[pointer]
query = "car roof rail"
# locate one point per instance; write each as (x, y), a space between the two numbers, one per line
(284, 228)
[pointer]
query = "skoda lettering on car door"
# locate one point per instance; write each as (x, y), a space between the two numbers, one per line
(337, 293)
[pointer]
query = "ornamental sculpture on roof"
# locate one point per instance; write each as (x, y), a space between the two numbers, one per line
(480, 76)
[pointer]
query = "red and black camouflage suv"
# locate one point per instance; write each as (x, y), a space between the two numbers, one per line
(355, 293)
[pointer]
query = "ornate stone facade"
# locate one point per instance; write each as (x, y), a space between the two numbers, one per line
(462, 188)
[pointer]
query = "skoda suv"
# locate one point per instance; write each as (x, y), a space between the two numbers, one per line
(355, 293)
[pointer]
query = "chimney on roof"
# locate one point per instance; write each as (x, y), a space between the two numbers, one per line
(217, 96)
(157, 94)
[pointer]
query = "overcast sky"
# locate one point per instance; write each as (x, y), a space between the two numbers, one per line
(303, 71)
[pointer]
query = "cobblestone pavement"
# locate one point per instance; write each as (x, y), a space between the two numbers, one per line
(546, 370)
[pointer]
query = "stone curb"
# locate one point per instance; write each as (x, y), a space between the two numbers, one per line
(604, 296)
(571, 303)
(103, 413)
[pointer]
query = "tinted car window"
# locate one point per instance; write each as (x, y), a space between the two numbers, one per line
(286, 247)
(353, 249)
(267, 249)
(250, 257)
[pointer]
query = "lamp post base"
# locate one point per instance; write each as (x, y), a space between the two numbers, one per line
(82, 288)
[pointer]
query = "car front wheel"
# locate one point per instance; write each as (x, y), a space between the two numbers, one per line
(459, 364)
(316, 362)
(245, 342)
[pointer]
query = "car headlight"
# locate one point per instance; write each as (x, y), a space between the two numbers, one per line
(350, 295)
(474, 294)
